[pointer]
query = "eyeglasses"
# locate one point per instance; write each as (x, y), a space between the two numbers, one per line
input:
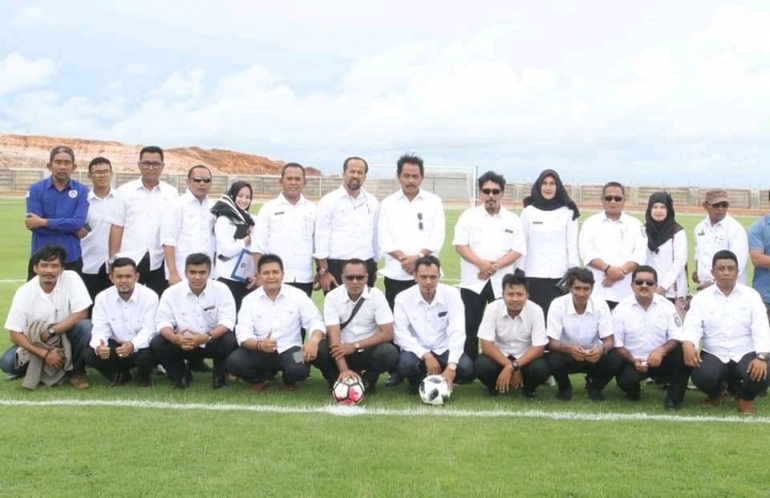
(419, 218)
(721, 205)
(491, 191)
(355, 278)
(150, 164)
(104, 172)
(613, 198)
(198, 179)
(640, 282)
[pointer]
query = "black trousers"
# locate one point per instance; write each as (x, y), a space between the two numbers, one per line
(237, 289)
(414, 370)
(143, 360)
(155, 279)
(394, 287)
(542, 291)
(474, 312)
(172, 357)
(599, 373)
(712, 374)
(252, 366)
(335, 268)
(534, 373)
(370, 363)
(96, 282)
(76, 266)
(671, 370)
(307, 288)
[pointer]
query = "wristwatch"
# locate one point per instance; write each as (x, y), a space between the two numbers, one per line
(322, 271)
(452, 367)
(762, 356)
(496, 266)
(50, 331)
(358, 347)
(515, 365)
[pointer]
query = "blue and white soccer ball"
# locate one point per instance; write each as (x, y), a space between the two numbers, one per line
(434, 390)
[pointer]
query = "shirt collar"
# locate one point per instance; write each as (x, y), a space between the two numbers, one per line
(92, 195)
(134, 295)
(363, 194)
(261, 292)
(283, 200)
(190, 197)
(364, 295)
(437, 299)
(48, 183)
(486, 214)
(402, 195)
(589, 307)
(190, 292)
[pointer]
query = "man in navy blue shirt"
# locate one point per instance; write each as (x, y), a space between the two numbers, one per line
(759, 251)
(56, 209)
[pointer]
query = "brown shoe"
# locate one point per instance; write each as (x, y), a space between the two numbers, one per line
(713, 402)
(290, 388)
(80, 382)
(745, 407)
(258, 388)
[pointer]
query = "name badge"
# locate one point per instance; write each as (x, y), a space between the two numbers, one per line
(442, 313)
(278, 213)
(508, 230)
(209, 308)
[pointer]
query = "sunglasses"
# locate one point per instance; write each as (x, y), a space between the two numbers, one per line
(721, 205)
(419, 218)
(491, 191)
(613, 198)
(355, 278)
(198, 179)
(640, 282)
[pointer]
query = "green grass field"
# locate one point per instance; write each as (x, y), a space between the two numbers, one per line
(231, 443)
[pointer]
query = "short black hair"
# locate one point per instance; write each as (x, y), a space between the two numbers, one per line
(582, 275)
(429, 260)
(515, 278)
(292, 165)
(410, 158)
(197, 258)
(151, 149)
(723, 254)
(122, 263)
(355, 158)
(355, 261)
(644, 269)
(197, 166)
(99, 160)
(614, 184)
(49, 252)
(491, 176)
(267, 259)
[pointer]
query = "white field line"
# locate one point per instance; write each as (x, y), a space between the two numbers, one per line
(12, 281)
(336, 410)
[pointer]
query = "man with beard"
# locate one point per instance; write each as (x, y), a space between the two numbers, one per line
(346, 227)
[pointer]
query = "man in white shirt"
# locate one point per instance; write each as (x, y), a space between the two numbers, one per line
(359, 327)
(346, 227)
(490, 240)
(195, 320)
(55, 296)
(580, 338)
(123, 326)
(611, 244)
(268, 331)
(646, 330)
(726, 337)
(188, 224)
(95, 245)
(136, 216)
(718, 231)
(430, 329)
(285, 226)
(513, 341)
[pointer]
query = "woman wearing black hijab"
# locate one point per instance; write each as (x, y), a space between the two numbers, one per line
(666, 246)
(232, 230)
(550, 226)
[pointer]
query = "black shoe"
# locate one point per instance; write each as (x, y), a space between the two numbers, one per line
(394, 379)
(529, 396)
(564, 394)
(182, 383)
(413, 389)
(199, 366)
(219, 380)
(188, 377)
(595, 394)
(121, 378)
(492, 392)
(671, 406)
(145, 380)
(633, 397)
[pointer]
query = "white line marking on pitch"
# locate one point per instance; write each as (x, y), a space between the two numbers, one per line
(12, 281)
(411, 412)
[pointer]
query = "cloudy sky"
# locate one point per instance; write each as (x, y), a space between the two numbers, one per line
(639, 91)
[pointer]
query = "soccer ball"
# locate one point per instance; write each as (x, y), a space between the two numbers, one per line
(348, 392)
(434, 390)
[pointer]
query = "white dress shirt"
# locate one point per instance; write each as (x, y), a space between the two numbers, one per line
(283, 318)
(139, 211)
(671, 268)
(642, 331)
(30, 303)
(373, 312)
(490, 237)
(409, 227)
(287, 229)
(513, 336)
(586, 330)
(180, 309)
(727, 234)
(95, 245)
(615, 242)
(729, 326)
(422, 327)
(188, 227)
(346, 227)
(227, 247)
(130, 321)
(552, 242)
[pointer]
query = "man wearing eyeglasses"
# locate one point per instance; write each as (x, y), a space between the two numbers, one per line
(718, 231)
(489, 239)
(95, 244)
(188, 224)
(612, 243)
(647, 331)
(359, 328)
(135, 219)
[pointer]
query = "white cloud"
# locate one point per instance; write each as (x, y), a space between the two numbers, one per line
(17, 72)
(33, 14)
(180, 85)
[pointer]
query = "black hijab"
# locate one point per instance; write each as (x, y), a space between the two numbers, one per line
(659, 232)
(227, 207)
(561, 198)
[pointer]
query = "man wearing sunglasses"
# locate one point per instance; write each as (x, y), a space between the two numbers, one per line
(359, 328)
(647, 330)
(718, 231)
(611, 244)
(188, 224)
